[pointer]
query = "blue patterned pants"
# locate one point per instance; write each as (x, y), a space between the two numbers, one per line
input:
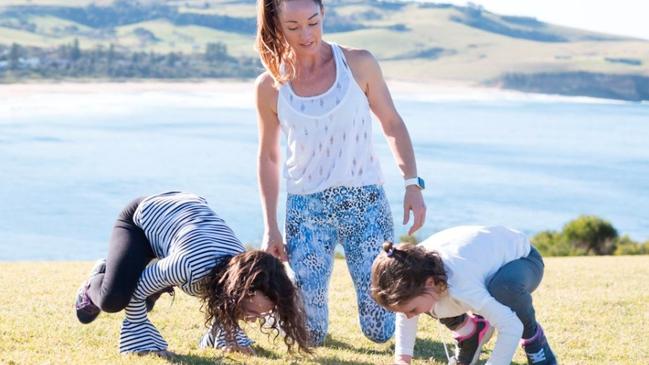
(359, 219)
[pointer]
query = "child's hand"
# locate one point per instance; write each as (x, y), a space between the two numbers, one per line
(246, 350)
(402, 359)
(167, 355)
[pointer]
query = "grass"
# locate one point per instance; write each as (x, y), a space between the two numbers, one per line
(183, 38)
(594, 310)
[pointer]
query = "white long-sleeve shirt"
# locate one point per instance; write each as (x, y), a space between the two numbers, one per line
(188, 240)
(471, 256)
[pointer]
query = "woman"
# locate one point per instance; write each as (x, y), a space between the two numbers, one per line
(175, 240)
(320, 95)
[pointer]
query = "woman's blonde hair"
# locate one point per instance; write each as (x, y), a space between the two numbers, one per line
(275, 53)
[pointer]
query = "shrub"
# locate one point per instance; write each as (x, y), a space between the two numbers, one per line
(627, 246)
(592, 234)
(552, 243)
(408, 239)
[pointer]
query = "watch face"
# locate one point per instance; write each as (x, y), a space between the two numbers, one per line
(421, 183)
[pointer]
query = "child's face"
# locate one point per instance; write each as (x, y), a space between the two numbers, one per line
(255, 306)
(423, 303)
(416, 306)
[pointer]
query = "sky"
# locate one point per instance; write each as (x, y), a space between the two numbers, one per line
(619, 17)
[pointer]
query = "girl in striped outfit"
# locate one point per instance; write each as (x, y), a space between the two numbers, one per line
(175, 240)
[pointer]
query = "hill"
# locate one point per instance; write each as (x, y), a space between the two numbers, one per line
(423, 42)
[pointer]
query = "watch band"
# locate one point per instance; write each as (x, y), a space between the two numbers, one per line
(415, 181)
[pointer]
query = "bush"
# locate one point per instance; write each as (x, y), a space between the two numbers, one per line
(591, 234)
(408, 239)
(627, 246)
(552, 243)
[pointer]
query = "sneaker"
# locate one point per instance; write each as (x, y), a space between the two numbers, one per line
(538, 350)
(151, 299)
(468, 348)
(86, 310)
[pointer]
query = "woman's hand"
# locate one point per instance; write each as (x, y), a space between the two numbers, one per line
(246, 350)
(414, 201)
(274, 244)
(402, 359)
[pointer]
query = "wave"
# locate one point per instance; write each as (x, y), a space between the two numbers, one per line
(493, 95)
(52, 104)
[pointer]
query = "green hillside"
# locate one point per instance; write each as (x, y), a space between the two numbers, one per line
(414, 41)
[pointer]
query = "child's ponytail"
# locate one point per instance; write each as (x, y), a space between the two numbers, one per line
(389, 249)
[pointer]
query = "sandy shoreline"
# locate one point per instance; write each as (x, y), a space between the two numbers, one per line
(442, 90)
(92, 86)
(192, 85)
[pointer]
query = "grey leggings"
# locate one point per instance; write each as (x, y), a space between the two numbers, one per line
(512, 286)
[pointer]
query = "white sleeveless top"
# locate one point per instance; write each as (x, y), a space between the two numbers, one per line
(329, 136)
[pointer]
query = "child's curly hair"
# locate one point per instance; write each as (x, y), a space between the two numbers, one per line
(234, 278)
(399, 273)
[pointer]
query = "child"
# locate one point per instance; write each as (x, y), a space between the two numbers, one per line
(175, 240)
(485, 270)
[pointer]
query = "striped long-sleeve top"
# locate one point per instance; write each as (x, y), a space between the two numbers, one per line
(188, 240)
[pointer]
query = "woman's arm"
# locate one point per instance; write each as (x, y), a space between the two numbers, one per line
(268, 160)
(367, 73)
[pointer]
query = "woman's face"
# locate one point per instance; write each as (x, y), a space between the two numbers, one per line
(256, 305)
(301, 24)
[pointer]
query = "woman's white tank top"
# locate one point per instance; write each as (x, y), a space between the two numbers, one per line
(329, 136)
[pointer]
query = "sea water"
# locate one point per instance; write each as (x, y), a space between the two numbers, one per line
(70, 161)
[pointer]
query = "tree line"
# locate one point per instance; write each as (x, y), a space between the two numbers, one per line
(19, 62)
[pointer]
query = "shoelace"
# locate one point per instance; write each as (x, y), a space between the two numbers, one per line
(537, 357)
(85, 301)
(170, 290)
(451, 359)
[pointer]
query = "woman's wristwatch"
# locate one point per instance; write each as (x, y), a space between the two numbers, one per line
(416, 181)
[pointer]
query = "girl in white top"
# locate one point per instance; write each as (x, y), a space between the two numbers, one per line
(320, 96)
(490, 271)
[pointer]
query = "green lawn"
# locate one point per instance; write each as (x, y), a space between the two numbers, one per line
(594, 310)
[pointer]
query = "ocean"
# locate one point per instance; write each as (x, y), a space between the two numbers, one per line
(70, 160)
